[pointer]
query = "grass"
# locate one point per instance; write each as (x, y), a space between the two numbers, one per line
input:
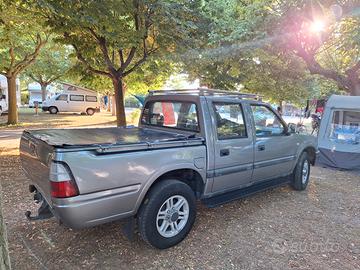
(28, 120)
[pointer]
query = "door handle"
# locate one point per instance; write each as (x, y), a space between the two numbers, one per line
(261, 147)
(224, 152)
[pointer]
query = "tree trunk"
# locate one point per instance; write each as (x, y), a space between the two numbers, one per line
(108, 103)
(355, 89)
(43, 91)
(119, 101)
(12, 101)
(113, 105)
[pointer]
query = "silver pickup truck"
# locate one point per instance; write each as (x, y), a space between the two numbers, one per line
(208, 145)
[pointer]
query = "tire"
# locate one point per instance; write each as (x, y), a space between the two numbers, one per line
(53, 110)
(159, 229)
(90, 111)
(301, 173)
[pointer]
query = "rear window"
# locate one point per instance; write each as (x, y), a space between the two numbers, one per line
(76, 97)
(91, 98)
(171, 114)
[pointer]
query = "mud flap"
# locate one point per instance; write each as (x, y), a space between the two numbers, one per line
(44, 211)
(128, 228)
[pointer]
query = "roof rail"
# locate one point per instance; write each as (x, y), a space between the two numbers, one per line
(203, 92)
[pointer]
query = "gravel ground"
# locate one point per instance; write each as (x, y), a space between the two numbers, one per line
(278, 229)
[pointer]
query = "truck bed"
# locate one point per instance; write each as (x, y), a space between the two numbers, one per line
(112, 136)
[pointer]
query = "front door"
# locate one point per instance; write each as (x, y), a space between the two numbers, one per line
(234, 153)
(62, 103)
(274, 148)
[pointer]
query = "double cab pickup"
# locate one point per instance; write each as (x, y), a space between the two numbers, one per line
(209, 145)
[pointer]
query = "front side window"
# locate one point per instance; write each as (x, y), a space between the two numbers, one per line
(345, 127)
(62, 97)
(267, 123)
(76, 97)
(230, 122)
(172, 114)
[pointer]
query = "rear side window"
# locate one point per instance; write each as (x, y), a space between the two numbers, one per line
(230, 122)
(62, 97)
(91, 98)
(76, 97)
(171, 114)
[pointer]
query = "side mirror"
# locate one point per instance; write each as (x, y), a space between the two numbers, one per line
(292, 128)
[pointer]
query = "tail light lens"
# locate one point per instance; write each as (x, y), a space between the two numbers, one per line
(64, 189)
(62, 183)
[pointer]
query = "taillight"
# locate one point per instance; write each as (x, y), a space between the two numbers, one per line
(62, 184)
(64, 189)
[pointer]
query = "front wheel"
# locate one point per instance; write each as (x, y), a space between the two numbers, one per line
(167, 214)
(53, 110)
(301, 173)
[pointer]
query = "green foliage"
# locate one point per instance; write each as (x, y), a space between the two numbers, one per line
(20, 36)
(52, 64)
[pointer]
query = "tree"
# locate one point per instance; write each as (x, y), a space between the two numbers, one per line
(52, 64)
(325, 36)
(21, 39)
(237, 55)
(115, 38)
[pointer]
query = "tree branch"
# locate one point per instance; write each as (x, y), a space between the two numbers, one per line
(121, 56)
(355, 68)
(102, 42)
(30, 58)
(315, 68)
(87, 64)
(138, 63)
(128, 60)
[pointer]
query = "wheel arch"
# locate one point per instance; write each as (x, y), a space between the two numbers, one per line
(311, 151)
(189, 175)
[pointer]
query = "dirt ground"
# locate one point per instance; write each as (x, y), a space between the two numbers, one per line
(277, 229)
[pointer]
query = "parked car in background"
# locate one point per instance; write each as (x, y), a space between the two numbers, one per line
(73, 101)
(201, 144)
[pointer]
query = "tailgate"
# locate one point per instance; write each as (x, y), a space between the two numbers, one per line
(36, 156)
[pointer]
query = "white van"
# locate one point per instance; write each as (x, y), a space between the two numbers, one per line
(72, 101)
(3, 103)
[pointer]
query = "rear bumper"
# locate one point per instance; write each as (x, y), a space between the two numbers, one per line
(96, 208)
(45, 108)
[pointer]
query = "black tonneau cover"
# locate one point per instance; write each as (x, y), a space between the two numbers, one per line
(115, 136)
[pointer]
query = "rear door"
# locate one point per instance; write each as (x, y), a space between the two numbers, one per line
(274, 149)
(233, 146)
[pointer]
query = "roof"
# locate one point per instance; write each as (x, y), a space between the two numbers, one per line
(343, 102)
(78, 87)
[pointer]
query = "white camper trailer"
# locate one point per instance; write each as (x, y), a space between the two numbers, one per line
(339, 134)
(35, 94)
(4, 96)
(73, 99)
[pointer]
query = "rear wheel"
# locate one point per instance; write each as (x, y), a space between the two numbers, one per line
(90, 111)
(301, 173)
(53, 110)
(168, 214)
